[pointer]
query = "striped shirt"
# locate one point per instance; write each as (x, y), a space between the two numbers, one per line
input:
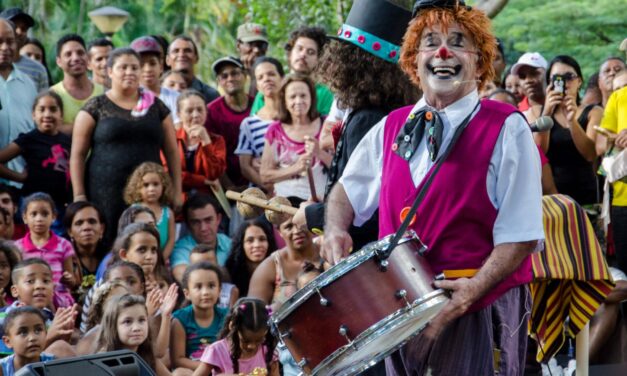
(252, 134)
(35, 71)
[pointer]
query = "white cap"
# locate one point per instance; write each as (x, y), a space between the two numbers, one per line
(532, 59)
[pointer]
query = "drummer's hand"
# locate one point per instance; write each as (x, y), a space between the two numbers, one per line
(463, 295)
(336, 246)
(300, 219)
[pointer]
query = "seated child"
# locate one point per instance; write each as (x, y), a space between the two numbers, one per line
(25, 334)
(9, 257)
(246, 345)
(197, 326)
(32, 286)
(229, 293)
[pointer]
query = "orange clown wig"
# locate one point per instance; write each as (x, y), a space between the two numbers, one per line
(473, 21)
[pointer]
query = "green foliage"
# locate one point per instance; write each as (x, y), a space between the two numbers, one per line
(590, 31)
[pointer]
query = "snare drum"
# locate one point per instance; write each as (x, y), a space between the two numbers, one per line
(361, 310)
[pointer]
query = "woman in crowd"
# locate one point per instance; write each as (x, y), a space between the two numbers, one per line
(120, 129)
(85, 227)
(569, 145)
(291, 146)
(35, 50)
(268, 74)
(252, 244)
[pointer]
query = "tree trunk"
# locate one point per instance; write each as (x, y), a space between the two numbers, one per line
(491, 7)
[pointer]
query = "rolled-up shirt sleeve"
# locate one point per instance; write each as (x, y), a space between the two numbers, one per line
(362, 176)
(516, 188)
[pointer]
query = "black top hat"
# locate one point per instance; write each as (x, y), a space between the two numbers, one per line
(12, 14)
(376, 26)
(429, 4)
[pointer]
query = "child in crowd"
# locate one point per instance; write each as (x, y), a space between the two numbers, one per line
(150, 186)
(129, 273)
(45, 150)
(309, 272)
(25, 333)
(125, 326)
(229, 293)
(33, 286)
(139, 244)
(39, 212)
(102, 295)
(246, 345)
(132, 214)
(9, 257)
(174, 80)
(197, 325)
(202, 154)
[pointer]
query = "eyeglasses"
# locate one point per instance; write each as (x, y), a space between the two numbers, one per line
(569, 76)
(234, 73)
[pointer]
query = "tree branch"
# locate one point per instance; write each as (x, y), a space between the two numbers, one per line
(491, 7)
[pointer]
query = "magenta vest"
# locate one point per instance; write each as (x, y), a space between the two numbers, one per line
(456, 218)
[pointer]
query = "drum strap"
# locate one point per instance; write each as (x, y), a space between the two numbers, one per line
(385, 253)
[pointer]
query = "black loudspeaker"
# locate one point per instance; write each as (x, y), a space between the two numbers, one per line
(114, 363)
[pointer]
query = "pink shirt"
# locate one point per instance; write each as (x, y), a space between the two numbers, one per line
(54, 252)
(219, 356)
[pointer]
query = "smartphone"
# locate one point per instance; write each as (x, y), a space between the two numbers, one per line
(558, 83)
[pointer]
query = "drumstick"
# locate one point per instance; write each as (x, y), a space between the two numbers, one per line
(256, 201)
(610, 135)
(224, 202)
(312, 185)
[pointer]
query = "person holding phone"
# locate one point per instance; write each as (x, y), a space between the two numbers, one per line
(570, 144)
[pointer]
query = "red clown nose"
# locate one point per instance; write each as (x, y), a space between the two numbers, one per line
(443, 53)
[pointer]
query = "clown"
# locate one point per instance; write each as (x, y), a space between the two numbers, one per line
(481, 213)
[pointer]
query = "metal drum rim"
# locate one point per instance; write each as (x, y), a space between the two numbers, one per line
(388, 323)
(333, 274)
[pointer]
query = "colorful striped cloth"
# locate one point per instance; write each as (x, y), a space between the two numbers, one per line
(571, 277)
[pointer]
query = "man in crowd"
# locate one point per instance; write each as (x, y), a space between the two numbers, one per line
(531, 69)
(23, 22)
(98, 53)
(304, 49)
(151, 65)
(202, 217)
(494, 222)
(183, 56)
(252, 42)
(17, 94)
(609, 68)
(225, 114)
(76, 88)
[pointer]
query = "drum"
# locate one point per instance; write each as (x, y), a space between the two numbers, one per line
(361, 310)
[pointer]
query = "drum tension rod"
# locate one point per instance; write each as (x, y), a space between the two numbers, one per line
(344, 333)
(402, 294)
(302, 363)
(323, 301)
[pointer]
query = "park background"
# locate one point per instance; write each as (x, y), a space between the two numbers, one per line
(589, 30)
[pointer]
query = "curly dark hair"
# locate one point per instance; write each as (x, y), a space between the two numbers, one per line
(317, 34)
(359, 79)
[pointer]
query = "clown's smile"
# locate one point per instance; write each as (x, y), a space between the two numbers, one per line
(445, 72)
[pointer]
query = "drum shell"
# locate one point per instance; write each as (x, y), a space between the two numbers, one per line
(359, 299)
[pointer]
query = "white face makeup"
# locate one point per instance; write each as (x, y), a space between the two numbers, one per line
(447, 64)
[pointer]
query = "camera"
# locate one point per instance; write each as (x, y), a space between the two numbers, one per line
(558, 83)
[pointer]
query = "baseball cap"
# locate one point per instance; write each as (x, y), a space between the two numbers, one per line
(226, 60)
(252, 32)
(146, 44)
(14, 13)
(532, 59)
